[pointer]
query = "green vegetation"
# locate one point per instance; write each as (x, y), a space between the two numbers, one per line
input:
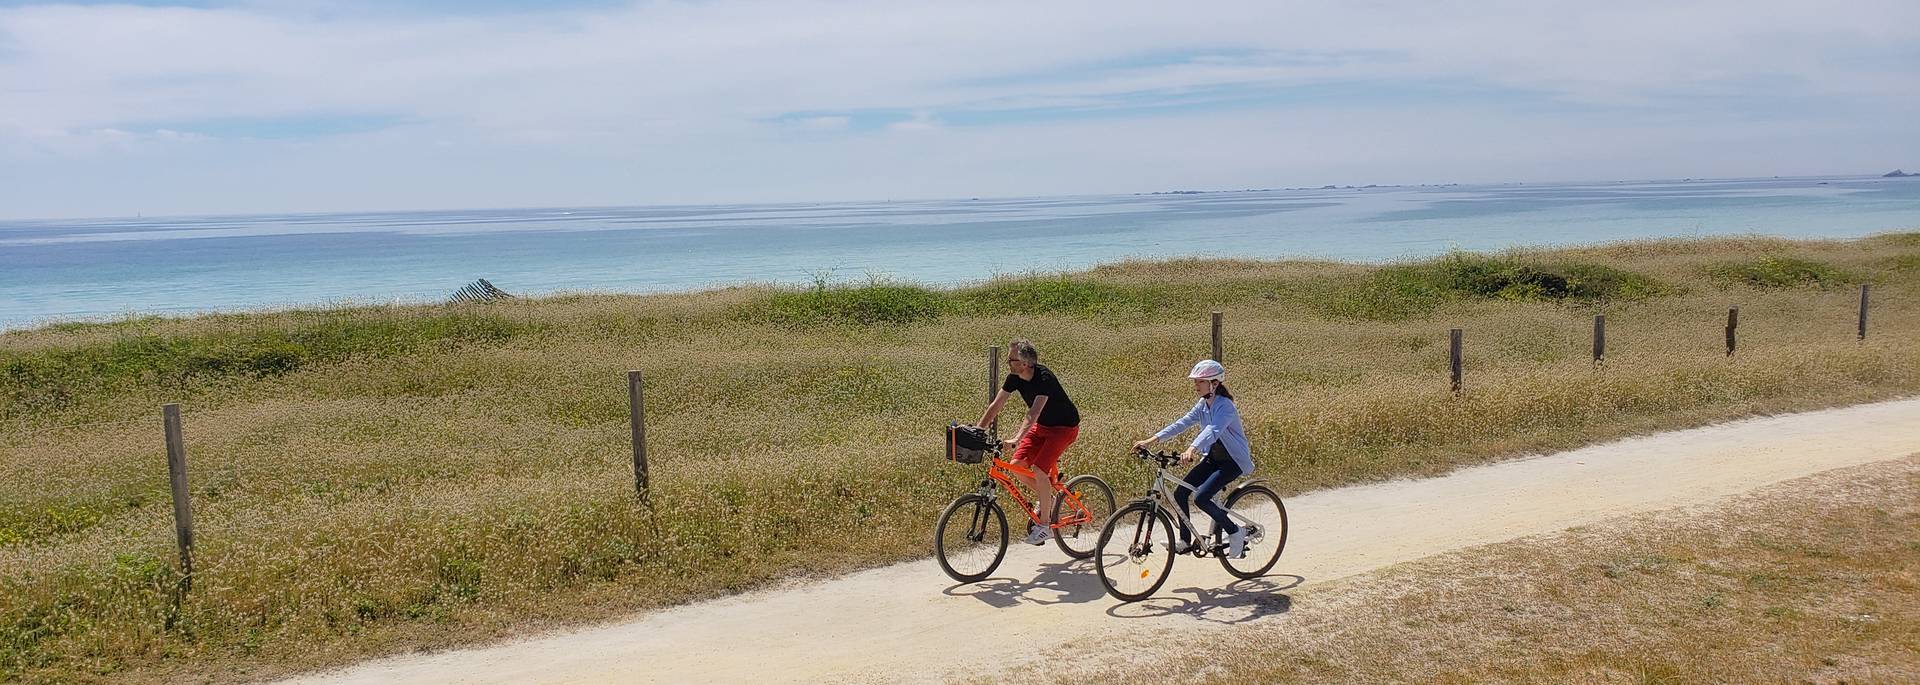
(1400, 292)
(1905, 262)
(1779, 271)
(880, 303)
(48, 379)
(1055, 295)
(876, 303)
(377, 479)
(1388, 294)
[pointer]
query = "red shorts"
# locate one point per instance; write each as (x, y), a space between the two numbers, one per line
(1042, 446)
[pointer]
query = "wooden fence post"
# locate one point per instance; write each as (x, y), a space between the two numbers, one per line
(993, 380)
(1733, 322)
(1863, 311)
(637, 419)
(1453, 357)
(1599, 338)
(182, 504)
(1218, 351)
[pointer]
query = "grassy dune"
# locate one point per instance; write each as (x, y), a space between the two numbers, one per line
(376, 479)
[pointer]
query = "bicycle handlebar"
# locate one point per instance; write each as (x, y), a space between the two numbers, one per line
(1163, 459)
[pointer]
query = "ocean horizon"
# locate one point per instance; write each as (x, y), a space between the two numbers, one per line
(98, 269)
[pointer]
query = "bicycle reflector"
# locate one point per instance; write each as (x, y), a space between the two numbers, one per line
(967, 444)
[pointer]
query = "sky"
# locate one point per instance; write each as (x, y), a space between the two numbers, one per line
(254, 106)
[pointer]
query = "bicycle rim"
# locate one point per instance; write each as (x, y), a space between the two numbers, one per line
(1082, 538)
(1266, 538)
(1135, 555)
(971, 538)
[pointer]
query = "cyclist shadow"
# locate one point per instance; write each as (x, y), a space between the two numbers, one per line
(1239, 602)
(1061, 582)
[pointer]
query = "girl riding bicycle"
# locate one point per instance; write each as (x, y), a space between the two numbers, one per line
(1222, 440)
(1051, 424)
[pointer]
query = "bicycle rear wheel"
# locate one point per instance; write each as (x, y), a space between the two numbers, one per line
(1081, 538)
(1266, 537)
(971, 538)
(1136, 551)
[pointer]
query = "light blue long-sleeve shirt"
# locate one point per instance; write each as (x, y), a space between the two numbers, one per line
(1219, 420)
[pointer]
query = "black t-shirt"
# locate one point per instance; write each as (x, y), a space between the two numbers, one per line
(1059, 410)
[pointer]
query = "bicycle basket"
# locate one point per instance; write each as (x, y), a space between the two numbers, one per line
(967, 444)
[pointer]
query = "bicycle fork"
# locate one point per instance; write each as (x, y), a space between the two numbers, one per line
(1142, 532)
(977, 528)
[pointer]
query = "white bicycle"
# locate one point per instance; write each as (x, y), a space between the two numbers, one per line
(1137, 546)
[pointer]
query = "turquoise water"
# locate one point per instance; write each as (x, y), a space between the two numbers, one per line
(87, 269)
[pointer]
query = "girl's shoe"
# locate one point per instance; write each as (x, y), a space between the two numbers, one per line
(1181, 547)
(1237, 543)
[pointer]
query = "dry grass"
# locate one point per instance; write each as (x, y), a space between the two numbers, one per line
(380, 479)
(1812, 581)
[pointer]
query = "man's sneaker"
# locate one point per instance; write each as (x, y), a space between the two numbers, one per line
(1237, 543)
(1039, 535)
(1181, 547)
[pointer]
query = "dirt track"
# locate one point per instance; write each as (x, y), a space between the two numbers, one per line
(909, 622)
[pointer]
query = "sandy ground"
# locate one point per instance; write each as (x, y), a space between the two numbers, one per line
(909, 622)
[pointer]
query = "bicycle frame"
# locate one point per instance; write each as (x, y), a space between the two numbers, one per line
(1002, 471)
(1161, 494)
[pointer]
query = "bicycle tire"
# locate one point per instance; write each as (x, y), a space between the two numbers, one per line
(1141, 554)
(1082, 540)
(985, 524)
(1263, 544)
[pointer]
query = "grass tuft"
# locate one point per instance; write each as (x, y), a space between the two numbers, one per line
(1401, 292)
(1779, 271)
(876, 303)
(1060, 294)
(1523, 280)
(50, 379)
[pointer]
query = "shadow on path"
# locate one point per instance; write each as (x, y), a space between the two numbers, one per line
(1239, 602)
(1061, 582)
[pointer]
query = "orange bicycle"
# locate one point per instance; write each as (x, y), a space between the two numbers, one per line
(971, 538)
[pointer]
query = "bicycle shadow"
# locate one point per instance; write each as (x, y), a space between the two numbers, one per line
(1060, 582)
(1238, 602)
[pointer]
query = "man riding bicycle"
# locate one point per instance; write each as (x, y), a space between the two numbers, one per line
(1052, 424)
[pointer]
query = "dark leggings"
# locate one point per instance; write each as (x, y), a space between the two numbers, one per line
(1208, 477)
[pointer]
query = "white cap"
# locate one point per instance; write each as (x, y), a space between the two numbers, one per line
(1208, 370)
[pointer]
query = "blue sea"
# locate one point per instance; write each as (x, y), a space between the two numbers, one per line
(107, 268)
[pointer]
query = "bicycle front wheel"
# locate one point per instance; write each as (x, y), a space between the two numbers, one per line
(1080, 536)
(1136, 551)
(1266, 536)
(971, 538)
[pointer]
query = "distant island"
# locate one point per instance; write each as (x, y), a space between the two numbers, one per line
(1896, 173)
(1325, 187)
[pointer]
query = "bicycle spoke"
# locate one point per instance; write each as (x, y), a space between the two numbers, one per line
(969, 551)
(1266, 535)
(1133, 563)
(1081, 510)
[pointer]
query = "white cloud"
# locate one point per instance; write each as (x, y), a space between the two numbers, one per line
(665, 101)
(922, 120)
(827, 123)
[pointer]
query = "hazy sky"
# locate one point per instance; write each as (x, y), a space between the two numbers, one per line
(293, 105)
